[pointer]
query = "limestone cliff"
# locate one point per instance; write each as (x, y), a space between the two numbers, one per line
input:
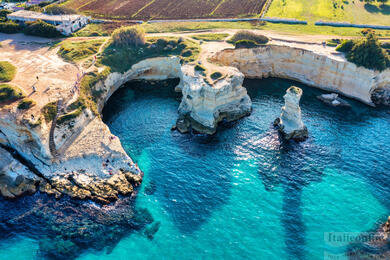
(330, 73)
(91, 163)
(290, 122)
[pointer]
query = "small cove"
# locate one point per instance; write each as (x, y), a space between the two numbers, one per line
(243, 193)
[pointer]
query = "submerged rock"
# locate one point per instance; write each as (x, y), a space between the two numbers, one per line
(290, 122)
(372, 245)
(333, 100)
(381, 96)
(66, 227)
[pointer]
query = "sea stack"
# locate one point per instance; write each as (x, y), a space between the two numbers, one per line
(290, 123)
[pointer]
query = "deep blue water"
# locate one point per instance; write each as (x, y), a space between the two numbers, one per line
(242, 193)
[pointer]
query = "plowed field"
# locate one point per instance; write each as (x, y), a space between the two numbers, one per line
(167, 9)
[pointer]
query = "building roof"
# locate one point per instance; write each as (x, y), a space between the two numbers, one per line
(24, 14)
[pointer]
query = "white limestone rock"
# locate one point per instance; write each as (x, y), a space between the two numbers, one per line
(290, 122)
(204, 105)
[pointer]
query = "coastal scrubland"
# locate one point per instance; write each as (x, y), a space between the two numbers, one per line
(78, 50)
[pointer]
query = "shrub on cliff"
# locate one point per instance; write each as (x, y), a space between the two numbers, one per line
(245, 44)
(366, 52)
(7, 71)
(129, 36)
(41, 29)
(249, 36)
(345, 46)
(9, 27)
(10, 93)
(49, 111)
(26, 103)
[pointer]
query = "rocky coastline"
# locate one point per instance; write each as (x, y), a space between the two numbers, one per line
(92, 163)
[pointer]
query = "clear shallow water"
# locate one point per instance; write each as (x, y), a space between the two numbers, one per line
(242, 193)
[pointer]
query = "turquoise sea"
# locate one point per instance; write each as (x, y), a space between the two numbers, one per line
(242, 193)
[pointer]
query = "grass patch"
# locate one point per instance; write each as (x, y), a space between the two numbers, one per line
(293, 29)
(76, 109)
(91, 30)
(121, 59)
(352, 11)
(7, 71)
(9, 93)
(49, 111)
(217, 37)
(78, 50)
(333, 42)
(26, 103)
(89, 95)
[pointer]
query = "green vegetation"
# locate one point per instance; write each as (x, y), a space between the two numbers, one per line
(78, 50)
(245, 44)
(49, 111)
(211, 37)
(248, 37)
(366, 52)
(216, 75)
(200, 68)
(333, 42)
(92, 30)
(352, 11)
(41, 29)
(9, 93)
(128, 36)
(121, 59)
(7, 71)
(10, 27)
(59, 9)
(26, 103)
(89, 95)
(76, 109)
(294, 29)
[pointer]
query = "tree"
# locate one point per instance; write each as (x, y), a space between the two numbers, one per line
(368, 53)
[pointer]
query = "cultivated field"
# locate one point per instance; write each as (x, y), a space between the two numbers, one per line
(168, 9)
(353, 11)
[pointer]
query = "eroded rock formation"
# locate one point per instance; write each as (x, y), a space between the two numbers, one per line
(204, 105)
(290, 122)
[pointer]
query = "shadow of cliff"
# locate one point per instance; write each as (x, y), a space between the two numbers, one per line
(188, 187)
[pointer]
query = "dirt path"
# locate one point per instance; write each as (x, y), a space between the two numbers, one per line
(37, 65)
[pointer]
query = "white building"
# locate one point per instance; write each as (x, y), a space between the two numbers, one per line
(66, 24)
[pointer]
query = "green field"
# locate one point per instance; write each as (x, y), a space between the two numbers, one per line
(310, 29)
(352, 11)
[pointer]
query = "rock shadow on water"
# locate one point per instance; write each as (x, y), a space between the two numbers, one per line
(193, 188)
(292, 167)
(65, 228)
